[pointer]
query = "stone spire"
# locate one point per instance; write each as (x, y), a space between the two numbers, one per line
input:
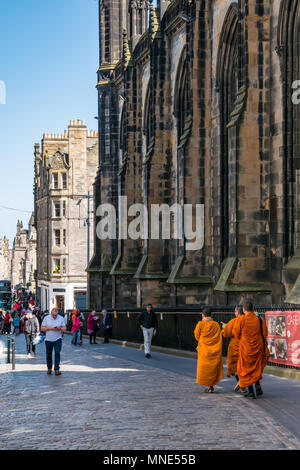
(126, 50)
(154, 21)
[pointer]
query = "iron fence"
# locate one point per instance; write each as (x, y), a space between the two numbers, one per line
(176, 324)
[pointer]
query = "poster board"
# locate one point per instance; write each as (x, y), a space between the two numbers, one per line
(284, 337)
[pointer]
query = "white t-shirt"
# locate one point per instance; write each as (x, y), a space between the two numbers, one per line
(50, 322)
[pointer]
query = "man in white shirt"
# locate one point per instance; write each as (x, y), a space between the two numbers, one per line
(53, 325)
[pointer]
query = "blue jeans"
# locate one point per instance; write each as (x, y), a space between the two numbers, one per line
(57, 348)
(76, 337)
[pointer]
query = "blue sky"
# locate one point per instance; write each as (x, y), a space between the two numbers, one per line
(48, 61)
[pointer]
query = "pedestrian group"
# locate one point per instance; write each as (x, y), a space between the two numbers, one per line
(247, 353)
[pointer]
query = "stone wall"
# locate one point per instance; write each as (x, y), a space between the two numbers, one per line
(200, 109)
(65, 171)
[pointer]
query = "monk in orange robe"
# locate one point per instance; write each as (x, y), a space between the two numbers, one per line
(252, 333)
(210, 365)
(233, 348)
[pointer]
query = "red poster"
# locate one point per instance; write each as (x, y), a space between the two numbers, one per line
(284, 337)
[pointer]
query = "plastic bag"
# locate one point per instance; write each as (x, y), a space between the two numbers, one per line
(38, 339)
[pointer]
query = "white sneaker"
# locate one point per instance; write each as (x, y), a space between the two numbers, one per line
(28, 355)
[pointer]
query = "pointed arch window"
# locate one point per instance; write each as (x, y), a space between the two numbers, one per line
(289, 51)
(123, 156)
(122, 136)
(138, 12)
(147, 118)
(181, 104)
(227, 84)
(148, 131)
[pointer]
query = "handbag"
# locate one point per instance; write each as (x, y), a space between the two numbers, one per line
(261, 330)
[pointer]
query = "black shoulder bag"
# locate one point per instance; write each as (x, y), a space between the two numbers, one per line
(261, 329)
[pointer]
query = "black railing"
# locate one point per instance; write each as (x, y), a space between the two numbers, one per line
(176, 324)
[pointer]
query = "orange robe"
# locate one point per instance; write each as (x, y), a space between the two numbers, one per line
(210, 365)
(253, 352)
(233, 348)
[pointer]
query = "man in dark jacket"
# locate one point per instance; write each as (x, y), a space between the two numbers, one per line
(107, 325)
(31, 329)
(147, 321)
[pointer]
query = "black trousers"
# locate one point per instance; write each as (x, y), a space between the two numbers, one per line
(107, 334)
(93, 335)
(29, 338)
(56, 345)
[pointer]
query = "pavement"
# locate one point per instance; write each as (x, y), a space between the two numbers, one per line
(111, 397)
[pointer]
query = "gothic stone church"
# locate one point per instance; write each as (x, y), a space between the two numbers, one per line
(197, 106)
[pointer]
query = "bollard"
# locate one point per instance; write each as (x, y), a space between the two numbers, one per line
(13, 354)
(8, 349)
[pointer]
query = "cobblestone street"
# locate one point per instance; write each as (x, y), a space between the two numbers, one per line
(102, 401)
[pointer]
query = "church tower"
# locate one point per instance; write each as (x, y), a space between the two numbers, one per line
(112, 20)
(113, 17)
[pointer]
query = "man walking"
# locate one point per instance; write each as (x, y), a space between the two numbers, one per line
(53, 325)
(233, 348)
(251, 331)
(209, 337)
(31, 329)
(147, 321)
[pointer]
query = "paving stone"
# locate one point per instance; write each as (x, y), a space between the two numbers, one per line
(97, 404)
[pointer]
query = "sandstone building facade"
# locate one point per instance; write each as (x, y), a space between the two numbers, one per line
(197, 105)
(65, 169)
(5, 260)
(23, 256)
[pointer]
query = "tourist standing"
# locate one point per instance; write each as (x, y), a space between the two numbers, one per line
(107, 325)
(92, 326)
(81, 317)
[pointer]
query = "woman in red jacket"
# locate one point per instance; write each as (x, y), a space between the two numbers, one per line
(76, 329)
